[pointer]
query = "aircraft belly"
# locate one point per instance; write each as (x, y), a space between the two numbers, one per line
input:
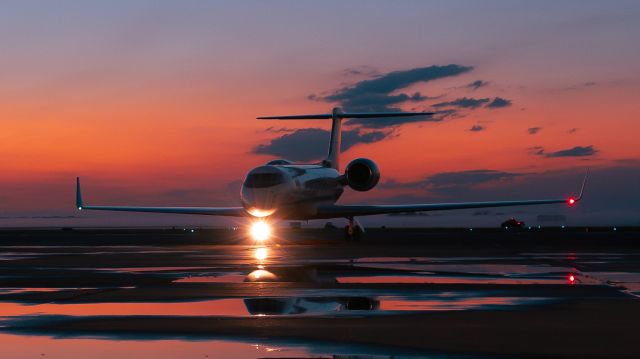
(303, 204)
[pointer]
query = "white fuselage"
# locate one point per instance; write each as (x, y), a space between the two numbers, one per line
(290, 191)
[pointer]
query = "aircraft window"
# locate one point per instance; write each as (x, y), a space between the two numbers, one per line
(261, 180)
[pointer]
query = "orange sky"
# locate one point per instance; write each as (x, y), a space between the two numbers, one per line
(140, 102)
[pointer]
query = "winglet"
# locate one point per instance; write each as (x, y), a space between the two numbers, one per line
(78, 194)
(584, 183)
(573, 200)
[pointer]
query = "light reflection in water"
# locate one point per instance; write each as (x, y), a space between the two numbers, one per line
(261, 275)
(15, 346)
(261, 254)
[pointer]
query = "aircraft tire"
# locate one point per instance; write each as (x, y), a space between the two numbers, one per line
(348, 237)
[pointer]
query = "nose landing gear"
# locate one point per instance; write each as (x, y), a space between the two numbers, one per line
(353, 231)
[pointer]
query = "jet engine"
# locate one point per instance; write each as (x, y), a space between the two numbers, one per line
(362, 174)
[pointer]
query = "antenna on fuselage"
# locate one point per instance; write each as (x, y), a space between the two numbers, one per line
(336, 116)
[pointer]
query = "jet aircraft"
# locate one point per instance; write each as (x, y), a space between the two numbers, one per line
(284, 190)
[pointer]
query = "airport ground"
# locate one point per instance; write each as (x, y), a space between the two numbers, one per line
(557, 292)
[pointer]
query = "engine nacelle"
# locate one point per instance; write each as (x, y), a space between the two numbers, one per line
(362, 174)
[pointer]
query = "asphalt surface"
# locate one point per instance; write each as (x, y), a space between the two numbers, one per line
(397, 293)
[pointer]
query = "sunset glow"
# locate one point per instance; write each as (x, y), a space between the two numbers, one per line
(163, 112)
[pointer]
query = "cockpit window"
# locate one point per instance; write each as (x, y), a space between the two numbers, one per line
(261, 180)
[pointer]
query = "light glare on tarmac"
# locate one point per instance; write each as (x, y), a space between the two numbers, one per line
(260, 231)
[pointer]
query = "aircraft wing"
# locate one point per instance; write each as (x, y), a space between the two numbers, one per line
(328, 211)
(332, 211)
(211, 211)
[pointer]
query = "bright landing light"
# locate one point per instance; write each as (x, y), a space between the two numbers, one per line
(260, 231)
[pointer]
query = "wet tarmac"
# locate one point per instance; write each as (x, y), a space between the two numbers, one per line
(222, 296)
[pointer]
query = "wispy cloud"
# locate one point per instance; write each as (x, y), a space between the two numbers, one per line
(464, 102)
(311, 143)
(380, 93)
(577, 151)
(499, 102)
(476, 84)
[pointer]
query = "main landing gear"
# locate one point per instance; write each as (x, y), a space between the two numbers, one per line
(353, 231)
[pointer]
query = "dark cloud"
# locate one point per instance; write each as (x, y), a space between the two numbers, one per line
(311, 143)
(446, 182)
(499, 102)
(477, 128)
(476, 84)
(393, 81)
(383, 101)
(465, 102)
(578, 151)
(533, 130)
(379, 94)
(473, 103)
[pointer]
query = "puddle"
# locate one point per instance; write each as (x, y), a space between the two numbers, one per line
(221, 307)
(79, 346)
(447, 280)
(22, 347)
(237, 307)
(500, 269)
(395, 304)
(225, 278)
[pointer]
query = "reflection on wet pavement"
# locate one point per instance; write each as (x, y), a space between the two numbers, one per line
(18, 347)
(266, 282)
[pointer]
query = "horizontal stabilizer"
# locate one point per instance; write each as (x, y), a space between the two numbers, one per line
(324, 116)
(336, 116)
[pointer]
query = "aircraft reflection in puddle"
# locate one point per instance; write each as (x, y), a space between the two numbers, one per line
(296, 305)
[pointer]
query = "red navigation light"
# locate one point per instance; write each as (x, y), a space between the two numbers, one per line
(572, 278)
(571, 201)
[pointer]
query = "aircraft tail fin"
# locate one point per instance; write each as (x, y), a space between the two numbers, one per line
(336, 116)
